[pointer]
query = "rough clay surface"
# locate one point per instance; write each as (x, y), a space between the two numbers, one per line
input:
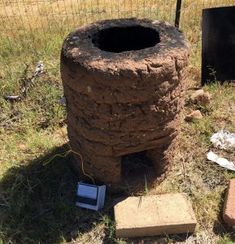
(229, 207)
(122, 103)
(154, 215)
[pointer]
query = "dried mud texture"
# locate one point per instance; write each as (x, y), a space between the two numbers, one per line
(126, 102)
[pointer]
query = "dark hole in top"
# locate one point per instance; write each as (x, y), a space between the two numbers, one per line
(121, 39)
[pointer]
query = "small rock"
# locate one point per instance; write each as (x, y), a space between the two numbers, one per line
(229, 207)
(22, 147)
(200, 97)
(195, 115)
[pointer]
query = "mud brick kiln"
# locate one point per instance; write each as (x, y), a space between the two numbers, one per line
(124, 85)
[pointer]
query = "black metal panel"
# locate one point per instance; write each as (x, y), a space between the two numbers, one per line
(218, 44)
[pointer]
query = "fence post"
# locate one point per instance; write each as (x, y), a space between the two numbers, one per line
(177, 13)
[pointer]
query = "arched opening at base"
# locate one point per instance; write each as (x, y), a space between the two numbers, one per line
(138, 172)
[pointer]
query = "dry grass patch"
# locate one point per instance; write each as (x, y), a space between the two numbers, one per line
(37, 200)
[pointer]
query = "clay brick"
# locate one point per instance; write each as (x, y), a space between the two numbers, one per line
(229, 207)
(154, 215)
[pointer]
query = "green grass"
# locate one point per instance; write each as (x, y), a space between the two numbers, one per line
(37, 200)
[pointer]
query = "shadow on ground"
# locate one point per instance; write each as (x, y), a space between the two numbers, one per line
(37, 203)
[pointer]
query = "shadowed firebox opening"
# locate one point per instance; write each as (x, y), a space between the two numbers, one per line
(138, 171)
(121, 39)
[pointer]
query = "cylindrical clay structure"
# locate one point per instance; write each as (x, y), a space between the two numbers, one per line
(123, 82)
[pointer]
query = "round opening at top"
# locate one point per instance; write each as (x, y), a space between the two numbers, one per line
(121, 39)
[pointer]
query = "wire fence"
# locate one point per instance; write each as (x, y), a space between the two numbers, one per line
(33, 29)
(22, 19)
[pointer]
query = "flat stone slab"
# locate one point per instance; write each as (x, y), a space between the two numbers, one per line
(229, 207)
(154, 215)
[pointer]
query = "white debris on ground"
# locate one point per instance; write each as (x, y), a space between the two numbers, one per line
(224, 140)
(220, 161)
(39, 69)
